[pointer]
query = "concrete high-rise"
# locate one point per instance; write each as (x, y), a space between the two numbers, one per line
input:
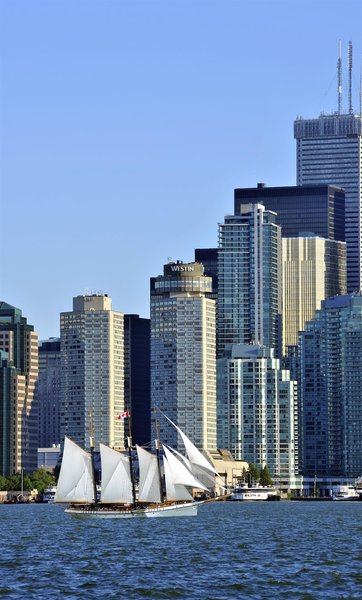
(18, 406)
(92, 362)
(249, 279)
(329, 150)
(48, 392)
(331, 383)
(314, 268)
(183, 355)
(257, 408)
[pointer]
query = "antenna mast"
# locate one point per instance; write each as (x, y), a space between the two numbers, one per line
(350, 108)
(339, 68)
(360, 90)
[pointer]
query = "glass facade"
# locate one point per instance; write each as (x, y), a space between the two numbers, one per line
(48, 392)
(329, 150)
(249, 285)
(330, 351)
(304, 209)
(257, 405)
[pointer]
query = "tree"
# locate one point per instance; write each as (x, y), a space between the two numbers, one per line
(254, 474)
(3, 483)
(265, 479)
(42, 479)
(14, 482)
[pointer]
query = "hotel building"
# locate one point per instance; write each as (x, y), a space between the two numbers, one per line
(183, 369)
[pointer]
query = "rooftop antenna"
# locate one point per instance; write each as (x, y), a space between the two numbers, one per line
(339, 67)
(350, 108)
(360, 89)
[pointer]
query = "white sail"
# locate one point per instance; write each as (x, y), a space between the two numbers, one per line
(149, 483)
(194, 455)
(174, 492)
(116, 483)
(177, 477)
(75, 483)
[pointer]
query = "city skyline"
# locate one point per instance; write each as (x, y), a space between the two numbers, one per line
(126, 127)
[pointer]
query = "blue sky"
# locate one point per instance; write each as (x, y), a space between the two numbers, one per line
(126, 125)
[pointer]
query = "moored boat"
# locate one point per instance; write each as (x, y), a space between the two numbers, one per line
(345, 492)
(243, 493)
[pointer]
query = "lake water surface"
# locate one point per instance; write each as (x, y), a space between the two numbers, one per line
(257, 550)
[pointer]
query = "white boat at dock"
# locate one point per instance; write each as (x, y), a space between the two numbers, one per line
(244, 493)
(345, 493)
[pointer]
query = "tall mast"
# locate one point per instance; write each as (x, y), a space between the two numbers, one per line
(129, 443)
(360, 90)
(350, 108)
(158, 456)
(339, 69)
(92, 459)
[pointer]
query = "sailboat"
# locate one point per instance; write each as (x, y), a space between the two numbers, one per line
(118, 497)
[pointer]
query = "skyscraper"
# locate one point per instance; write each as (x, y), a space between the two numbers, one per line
(314, 268)
(48, 392)
(137, 386)
(183, 379)
(249, 285)
(331, 384)
(18, 378)
(329, 150)
(316, 209)
(257, 408)
(92, 362)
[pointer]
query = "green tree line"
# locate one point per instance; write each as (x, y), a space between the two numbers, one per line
(39, 479)
(253, 475)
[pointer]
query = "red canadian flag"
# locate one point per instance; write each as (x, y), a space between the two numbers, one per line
(124, 415)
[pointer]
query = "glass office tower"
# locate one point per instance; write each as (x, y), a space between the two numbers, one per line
(18, 405)
(329, 150)
(316, 209)
(331, 383)
(249, 279)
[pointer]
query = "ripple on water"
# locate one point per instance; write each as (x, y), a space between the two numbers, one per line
(255, 551)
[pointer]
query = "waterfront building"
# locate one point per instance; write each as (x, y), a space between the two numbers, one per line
(330, 351)
(314, 268)
(18, 378)
(317, 209)
(137, 384)
(249, 279)
(257, 410)
(48, 458)
(48, 392)
(329, 150)
(183, 369)
(92, 364)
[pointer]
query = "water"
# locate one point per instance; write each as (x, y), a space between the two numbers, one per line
(302, 550)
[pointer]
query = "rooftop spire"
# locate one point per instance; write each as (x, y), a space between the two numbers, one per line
(350, 107)
(339, 68)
